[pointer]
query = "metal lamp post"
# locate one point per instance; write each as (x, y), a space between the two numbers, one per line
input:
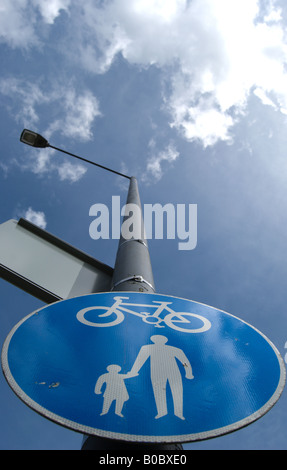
(132, 272)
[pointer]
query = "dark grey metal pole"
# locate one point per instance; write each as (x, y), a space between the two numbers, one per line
(87, 161)
(133, 272)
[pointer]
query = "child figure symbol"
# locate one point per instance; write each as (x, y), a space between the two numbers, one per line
(115, 389)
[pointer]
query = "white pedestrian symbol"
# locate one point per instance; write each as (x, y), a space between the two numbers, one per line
(164, 369)
(115, 389)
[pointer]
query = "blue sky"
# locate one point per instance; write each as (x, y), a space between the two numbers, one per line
(190, 96)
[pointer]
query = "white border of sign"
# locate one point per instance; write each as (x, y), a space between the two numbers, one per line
(138, 438)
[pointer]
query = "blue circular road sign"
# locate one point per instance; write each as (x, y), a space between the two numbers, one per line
(142, 367)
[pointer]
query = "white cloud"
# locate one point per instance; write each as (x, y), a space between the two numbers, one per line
(14, 27)
(155, 162)
(39, 161)
(71, 172)
(214, 54)
(214, 51)
(81, 112)
(50, 9)
(36, 217)
(129, 27)
(237, 54)
(77, 111)
(208, 125)
(77, 114)
(24, 97)
(4, 168)
(20, 20)
(274, 13)
(46, 161)
(74, 112)
(262, 95)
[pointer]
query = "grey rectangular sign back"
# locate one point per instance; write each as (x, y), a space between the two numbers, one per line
(46, 266)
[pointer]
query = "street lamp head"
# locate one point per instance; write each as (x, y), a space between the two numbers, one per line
(33, 139)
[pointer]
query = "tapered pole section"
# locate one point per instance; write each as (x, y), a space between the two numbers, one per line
(133, 272)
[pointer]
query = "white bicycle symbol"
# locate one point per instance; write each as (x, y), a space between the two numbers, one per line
(172, 319)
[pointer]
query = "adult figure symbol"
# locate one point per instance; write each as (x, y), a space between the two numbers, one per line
(164, 369)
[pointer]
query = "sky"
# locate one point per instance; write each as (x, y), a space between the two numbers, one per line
(189, 96)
